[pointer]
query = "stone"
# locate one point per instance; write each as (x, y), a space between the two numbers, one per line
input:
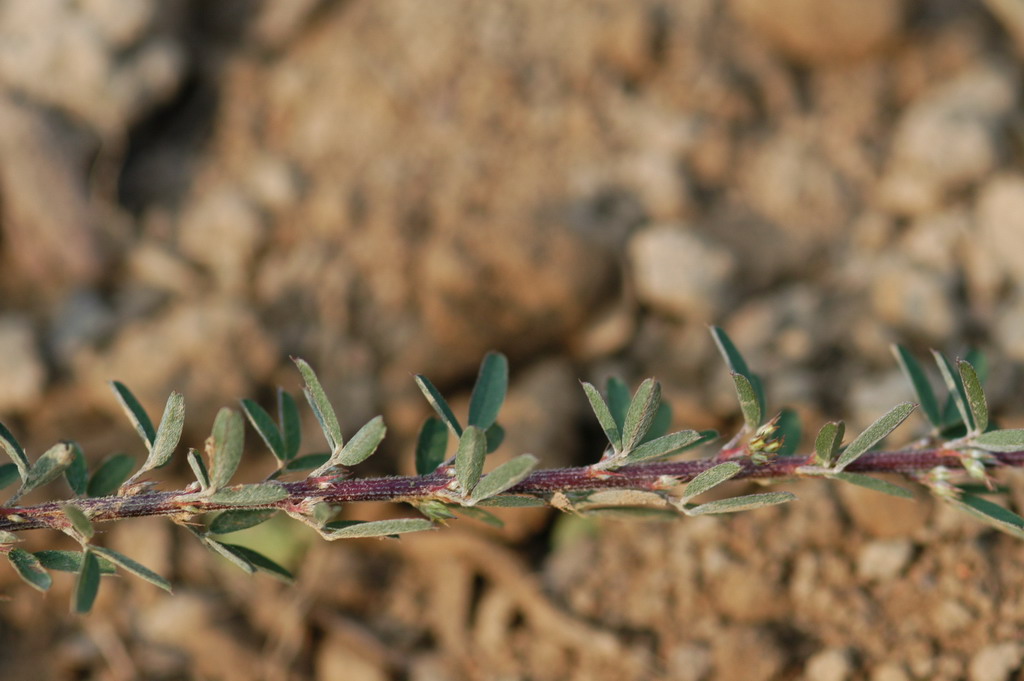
(883, 559)
(21, 365)
(999, 219)
(815, 31)
(1008, 330)
(995, 662)
(222, 230)
(965, 113)
(889, 671)
(831, 664)
(679, 272)
(914, 300)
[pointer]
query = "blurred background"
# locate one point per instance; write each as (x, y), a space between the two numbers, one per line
(190, 192)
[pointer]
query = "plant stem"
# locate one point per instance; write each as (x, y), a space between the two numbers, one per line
(650, 476)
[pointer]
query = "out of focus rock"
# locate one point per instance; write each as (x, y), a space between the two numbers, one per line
(21, 367)
(211, 351)
(815, 32)
(831, 664)
(914, 300)
(48, 232)
(763, 658)
(677, 271)
(883, 559)
(947, 140)
(222, 231)
(995, 662)
(81, 62)
(1000, 224)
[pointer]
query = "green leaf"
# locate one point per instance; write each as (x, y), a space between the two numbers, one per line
(640, 415)
(70, 561)
(291, 424)
(789, 432)
(224, 447)
(604, 415)
(956, 388)
(494, 435)
(873, 483)
(169, 433)
(260, 494)
(307, 462)
(13, 449)
(77, 474)
(481, 515)
(321, 406)
(745, 503)
(435, 510)
(922, 386)
(619, 399)
(198, 466)
(47, 468)
(8, 538)
(260, 562)
(108, 477)
(666, 445)
(749, 404)
(8, 474)
(991, 513)
(489, 390)
(661, 423)
(136, 414)
(79, 521)
(363, 443)
(87, 585)
(242, 519)
(137, 569)
(975, 396)
(737, 364)
(507, 475)
(469, 458)
(828, 442)
(431, 446)
(1009, 440)
(29, 569)
(707, 479)
(267, 429)
(874, 434)
(230, 552)
(354, 529)
(438, 403)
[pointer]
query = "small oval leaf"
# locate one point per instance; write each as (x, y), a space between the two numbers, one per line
(354, 529)
(749, 404)
(29, 569)
(321, 406)
(922, 386)
(137, 569)
(438, 403)
(87, 585)
(291, 424)
(260, 494)
(136, 414)
(666, 445)
(224, 447)
(264, 425)
(828, 442)
(489, 390)
(469, 458)
(242, 519)
(745, 503)
(641, 413)
(975, 396)
(363, 443)
(431, 446)
(604, 415)
(712, 477)
(874, 434)
(111, 473)
(1009, 440)
(503, 477)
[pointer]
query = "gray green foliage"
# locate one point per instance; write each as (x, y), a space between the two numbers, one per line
(489, 391)
(874, 434)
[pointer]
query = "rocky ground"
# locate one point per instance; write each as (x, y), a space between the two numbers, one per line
(191, 192)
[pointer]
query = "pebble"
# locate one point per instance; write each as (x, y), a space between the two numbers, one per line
(999, 216)
(20, 364)
(915, 300)
(889, 671)
(883, 559)
(831, 664)
(995, 662)
(965, 111)
(679, 272)
(821, 31)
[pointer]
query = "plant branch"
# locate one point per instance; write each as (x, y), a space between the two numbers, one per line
(185, 505)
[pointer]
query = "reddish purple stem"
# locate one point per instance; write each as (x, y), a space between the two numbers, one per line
(648, 476)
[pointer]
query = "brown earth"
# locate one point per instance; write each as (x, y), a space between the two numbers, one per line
(191, 192)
